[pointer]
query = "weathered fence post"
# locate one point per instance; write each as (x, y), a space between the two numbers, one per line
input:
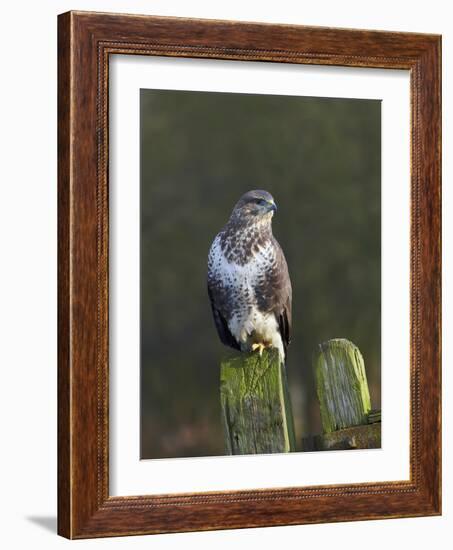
(344, 399)
(341, 385)
(256, 409)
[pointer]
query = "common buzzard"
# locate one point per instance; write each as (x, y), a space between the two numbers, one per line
(248, 281)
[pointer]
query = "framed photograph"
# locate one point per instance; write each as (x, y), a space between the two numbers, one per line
(249, 275)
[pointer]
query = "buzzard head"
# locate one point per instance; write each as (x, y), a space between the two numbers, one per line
(254, 206)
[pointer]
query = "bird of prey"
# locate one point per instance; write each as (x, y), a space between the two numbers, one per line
(248, 280)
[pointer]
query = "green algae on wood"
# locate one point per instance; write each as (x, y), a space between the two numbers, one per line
(256, 409)
(341, 385)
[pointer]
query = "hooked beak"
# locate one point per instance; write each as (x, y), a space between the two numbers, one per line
(272, 207)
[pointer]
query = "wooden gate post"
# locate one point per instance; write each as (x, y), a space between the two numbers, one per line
(256, 409)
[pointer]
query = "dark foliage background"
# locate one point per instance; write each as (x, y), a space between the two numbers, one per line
(200, 152)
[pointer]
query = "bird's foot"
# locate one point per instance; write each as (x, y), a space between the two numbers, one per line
(260, 347)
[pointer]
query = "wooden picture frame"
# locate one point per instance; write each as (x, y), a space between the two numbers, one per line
(85, 42)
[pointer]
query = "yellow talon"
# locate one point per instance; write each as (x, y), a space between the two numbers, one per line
(260, 347)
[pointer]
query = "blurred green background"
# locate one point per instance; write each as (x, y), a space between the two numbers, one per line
(200, 151)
